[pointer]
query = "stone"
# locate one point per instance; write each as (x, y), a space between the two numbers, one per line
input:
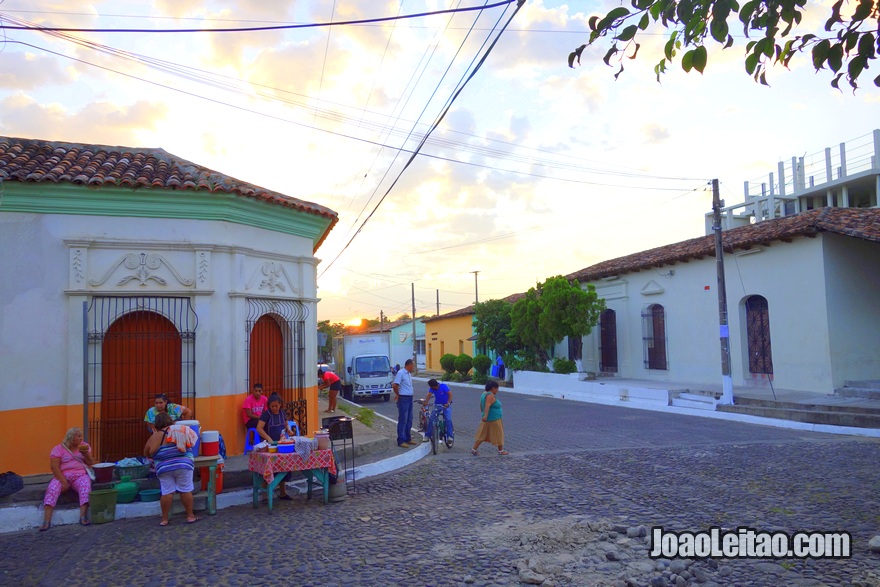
(659, 582)
(700, 575)
(677, 566)
(874, 544)
(530, 577)
(632, 532)
(724, 570)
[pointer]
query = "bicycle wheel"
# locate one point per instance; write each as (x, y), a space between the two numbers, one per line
(435, 438)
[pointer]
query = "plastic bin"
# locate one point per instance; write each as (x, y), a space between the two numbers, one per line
(204, 473)
(102, 505)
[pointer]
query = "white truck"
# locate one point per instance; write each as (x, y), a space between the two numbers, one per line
(363, 365)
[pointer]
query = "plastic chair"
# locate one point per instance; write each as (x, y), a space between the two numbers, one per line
(250, 439)
(294, 426)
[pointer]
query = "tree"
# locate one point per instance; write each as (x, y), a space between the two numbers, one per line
(492, 326)
(330, 330)
(851, 42)
(553, 310)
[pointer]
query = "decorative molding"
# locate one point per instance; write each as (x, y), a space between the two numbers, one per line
(143, 266)
(188, 247)
(77, 265)
(203, 265)
(273, 277)
(652, 288)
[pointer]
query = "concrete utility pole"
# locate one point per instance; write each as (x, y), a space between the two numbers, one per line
(726, 380)
(476, 290)
(415, 344)
(381, 321)
(438, 302)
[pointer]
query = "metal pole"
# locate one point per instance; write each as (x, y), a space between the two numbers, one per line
(476, 290)
(438, 302)
(85, 342)
(414, 343)
(726, 380)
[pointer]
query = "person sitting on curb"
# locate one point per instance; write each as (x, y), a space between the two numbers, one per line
(253, 407)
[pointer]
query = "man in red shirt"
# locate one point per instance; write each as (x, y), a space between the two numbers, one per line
(254, 405)
(330, 380)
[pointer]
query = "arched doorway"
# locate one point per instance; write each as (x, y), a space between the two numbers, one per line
(608, 342)
(266, 355)
(758, 335)
(140, 357)
(654, 322)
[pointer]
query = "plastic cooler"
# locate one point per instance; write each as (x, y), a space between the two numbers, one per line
(210, 443)
(194, 424)
(204, 473)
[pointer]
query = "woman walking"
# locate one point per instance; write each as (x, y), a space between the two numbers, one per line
(491, 429)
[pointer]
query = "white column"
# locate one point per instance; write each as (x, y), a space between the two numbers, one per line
(781, 168)
(829, 177)
(842, 160)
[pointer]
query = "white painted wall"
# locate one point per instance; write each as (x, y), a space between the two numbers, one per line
(52, 263)
(824, 319)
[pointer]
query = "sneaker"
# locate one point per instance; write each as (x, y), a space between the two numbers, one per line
(426, 439)
(411, 443)
(403, 445)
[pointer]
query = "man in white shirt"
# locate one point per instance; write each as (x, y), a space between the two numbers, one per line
(403, 395)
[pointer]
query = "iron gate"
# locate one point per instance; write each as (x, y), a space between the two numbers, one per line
(276, 352)
(137, 346)
(608, 342)
(758, 335)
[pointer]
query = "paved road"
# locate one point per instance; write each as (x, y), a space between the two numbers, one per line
(558, 508)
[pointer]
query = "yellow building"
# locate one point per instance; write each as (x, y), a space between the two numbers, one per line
(449, 333)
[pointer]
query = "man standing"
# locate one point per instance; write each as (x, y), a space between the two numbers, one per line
(403, 395)
(500, 362)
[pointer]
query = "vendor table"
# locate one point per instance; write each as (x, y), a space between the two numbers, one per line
(211, 463)
(264, 466)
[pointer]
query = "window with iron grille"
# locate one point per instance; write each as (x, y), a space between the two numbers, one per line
(276, 352)
(654, 337)
(758, 335)
(575, 348)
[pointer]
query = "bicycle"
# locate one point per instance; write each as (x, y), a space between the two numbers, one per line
(439, 432)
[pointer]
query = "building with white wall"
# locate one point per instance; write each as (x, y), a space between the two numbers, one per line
(128, 272)
(801, 296)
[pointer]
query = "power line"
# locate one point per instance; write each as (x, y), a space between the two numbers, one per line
(262, 28)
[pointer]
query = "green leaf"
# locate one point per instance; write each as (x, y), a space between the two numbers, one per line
(613, 15)
(835, 57)
(644, 22)
(752, 62)
(669, 48)
(642, 4)
(863, 10)
(745, 13)
(877, 81)
(835, 16)
(836, 81)
(592, 22)
(719, 30)
(854, 69)
(627, 33)
(610, 54)
(820, 53)
(866, 46)
(687, 60)
(729, 42)
(700, 58)
(619, 71)
(576, 54)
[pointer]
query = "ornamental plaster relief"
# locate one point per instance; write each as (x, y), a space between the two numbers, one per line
(271, 277)
(149, 271)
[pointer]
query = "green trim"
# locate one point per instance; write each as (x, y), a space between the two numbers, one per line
(51, 198)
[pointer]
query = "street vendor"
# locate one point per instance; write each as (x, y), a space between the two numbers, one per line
(273, 422)
(163, 405)
(331, 381)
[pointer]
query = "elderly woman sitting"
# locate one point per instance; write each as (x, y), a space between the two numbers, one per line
(69, 461)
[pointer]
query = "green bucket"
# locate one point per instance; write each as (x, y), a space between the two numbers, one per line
(102, 505)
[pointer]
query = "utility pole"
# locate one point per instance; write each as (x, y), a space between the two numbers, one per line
(381, 321)
(726, 380)
(476, 289)
(414, 343)
(438, 302)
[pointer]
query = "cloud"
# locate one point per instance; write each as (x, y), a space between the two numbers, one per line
(97, 122)
(27, 71)
(655, 133)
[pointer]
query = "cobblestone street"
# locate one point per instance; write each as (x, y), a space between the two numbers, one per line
(551, 511)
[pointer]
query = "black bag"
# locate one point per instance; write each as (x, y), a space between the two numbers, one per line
(10, 483)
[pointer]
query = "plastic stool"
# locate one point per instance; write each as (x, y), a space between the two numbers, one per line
(250, 439)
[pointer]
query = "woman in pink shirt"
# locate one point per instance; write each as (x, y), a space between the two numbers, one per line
(254, 405)
(68, 462)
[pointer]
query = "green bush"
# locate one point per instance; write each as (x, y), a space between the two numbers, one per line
(479, 378)
(455, 377)
(447, 362)
(482, 364)
(528, 362)
(563, 366)
(463, 364)
(446, 376)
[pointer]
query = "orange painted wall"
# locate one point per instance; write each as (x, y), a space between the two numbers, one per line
(32, 432)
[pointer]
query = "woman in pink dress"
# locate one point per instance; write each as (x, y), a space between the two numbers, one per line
(69, 461)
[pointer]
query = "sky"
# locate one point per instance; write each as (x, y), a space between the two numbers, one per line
(535, 169)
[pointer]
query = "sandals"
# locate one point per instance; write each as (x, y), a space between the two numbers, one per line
(475, 452)
(502, 452)
(84, 521)
(46, 526)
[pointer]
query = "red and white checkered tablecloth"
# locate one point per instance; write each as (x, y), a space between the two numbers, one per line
(267, 463)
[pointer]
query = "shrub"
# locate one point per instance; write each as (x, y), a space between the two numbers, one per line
(563, 366)
(526, 363)
(479, 378)
(447, 362)
(463, 363)
(482, 364)
(455, 377)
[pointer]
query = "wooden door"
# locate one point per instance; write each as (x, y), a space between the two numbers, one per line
(267, 355)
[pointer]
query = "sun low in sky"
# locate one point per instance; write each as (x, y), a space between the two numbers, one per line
(535, 169)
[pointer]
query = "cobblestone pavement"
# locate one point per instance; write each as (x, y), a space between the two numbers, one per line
(455, 519)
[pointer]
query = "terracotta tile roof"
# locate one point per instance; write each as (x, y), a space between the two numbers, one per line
(33, 160)
(469, 311)
(862, 223)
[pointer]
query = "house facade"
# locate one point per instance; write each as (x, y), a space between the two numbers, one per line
(130, 272)
(449, 333)
(801, 298)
